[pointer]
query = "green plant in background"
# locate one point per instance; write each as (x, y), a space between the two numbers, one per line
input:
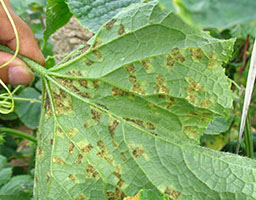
(126, 117)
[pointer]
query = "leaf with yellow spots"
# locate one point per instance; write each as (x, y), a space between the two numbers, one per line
(127, 115)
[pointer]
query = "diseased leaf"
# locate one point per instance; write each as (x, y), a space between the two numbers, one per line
(128, 114)
(146, 194)
(94, 13)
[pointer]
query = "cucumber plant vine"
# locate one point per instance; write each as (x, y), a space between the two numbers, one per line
(126, 116)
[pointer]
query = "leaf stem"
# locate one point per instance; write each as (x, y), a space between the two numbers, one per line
(32, 64)
(248, 94)
(248, 140)
(18, 133)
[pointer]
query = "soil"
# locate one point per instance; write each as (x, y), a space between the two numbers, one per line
(68, 38)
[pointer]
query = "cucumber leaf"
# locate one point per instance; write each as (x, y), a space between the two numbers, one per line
(127, 115)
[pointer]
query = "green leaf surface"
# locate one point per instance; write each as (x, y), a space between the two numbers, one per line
(57, 15)
(5, 171)
(216, 13)
(18, 188)
(94, 13)
(128, 114)
(29, 111)
(167, 4)
(219, 125)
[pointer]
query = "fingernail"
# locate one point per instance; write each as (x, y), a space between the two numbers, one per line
(20, 75)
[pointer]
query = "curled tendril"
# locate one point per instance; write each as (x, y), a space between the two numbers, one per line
(6, 99)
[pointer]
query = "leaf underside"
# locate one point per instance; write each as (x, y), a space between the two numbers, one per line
(128, 114)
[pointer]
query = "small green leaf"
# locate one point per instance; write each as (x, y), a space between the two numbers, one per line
(19, 187)
(57, 15)
(219, 125)
(29, 111)
(218, 13)
(5, 171)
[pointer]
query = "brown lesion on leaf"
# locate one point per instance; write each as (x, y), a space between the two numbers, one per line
(96, 115)
(68, 83)
(74, 73)
(86, 125)
(160, 80)
(81, 197)
(124, 158)
(58, 160)
(137, 88)
(149, 125)
(47, 106)
(47, 177)
(79, 159)
(160, 87)
(194, 85)
(72, 178)
(132, 79)
(136, 197)
(73, 84)
(51, 141)
(197, 53)
(83, 83)
(97, 42)
(130, 68)
(71, 147)
(192, 89)
(147, 65)
(110, 24)
(170, 62)
(119, 92)
(117, 194)
(102, 106)
(118, 175)
(170, 102)
(98, 54)
(73, 132)
(91, 172)
(172, 193)
(154, 133)
(143, 124)
(206, 103)
(190, 131)
(63, 102)
(103, 153)
(95, 84)
(121, 29)
(84, 94)
(112, 128)
(88, 62)
(212, 61)
(135, 121)
(87, 149)
(151, 106)
(137, 151)
(177, 55)
(101, 145)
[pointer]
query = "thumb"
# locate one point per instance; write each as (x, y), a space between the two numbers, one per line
(16, 72)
